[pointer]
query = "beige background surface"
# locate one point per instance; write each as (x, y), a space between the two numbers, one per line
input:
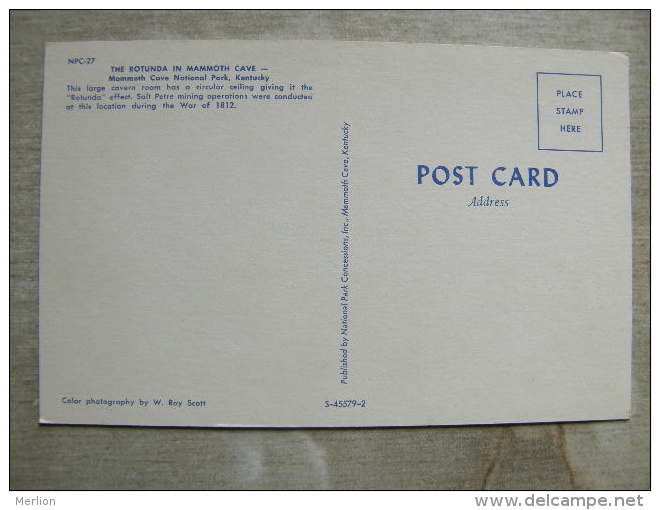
(613, 455)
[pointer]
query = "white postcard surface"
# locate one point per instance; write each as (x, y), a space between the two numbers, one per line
(331, 234)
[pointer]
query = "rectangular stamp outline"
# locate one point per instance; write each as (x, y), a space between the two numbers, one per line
(538, 114)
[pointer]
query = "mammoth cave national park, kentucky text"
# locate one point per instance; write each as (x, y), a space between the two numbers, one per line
(502, 177)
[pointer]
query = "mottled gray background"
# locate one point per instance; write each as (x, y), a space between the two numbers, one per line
(607, 455)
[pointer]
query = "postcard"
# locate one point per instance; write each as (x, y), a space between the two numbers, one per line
(333, 234)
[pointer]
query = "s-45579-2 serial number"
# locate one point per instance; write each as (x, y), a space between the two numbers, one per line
(345, 403)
